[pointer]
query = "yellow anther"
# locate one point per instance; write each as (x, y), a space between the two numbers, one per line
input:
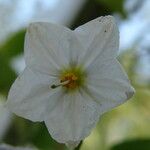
(70, 79)
(74, 77)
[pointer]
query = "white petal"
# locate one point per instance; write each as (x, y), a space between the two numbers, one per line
(30, 94)
(101, 39)
(73, 118)
(72, 145)
(109, 84)
(48, 47)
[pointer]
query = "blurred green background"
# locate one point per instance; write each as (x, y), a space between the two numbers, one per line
(124, 128)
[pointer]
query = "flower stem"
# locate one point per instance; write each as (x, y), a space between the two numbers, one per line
(79, 146)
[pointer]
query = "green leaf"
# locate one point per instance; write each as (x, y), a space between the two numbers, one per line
(13, 46)
(114, 6)
(133, 145)
(43, 140)
(8, 50)
(7, 75)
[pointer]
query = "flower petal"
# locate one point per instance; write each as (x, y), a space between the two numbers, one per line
(72, 145)
(73, 118)
(30, 94)
(108, 84)
(101, 39)
(48, 47)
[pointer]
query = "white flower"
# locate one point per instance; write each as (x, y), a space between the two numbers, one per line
(71, 78)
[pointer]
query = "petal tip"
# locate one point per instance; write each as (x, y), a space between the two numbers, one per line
(130, 93)
(32, 26)
(72, 144)
(108, 18)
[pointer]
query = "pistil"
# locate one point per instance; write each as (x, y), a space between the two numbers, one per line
(60, 84)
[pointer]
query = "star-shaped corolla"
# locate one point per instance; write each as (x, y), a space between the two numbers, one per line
(71, 77)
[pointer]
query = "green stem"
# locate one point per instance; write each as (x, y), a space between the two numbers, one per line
(79, 146)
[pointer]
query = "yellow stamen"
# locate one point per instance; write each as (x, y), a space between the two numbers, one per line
(57, 85)
(70, 79)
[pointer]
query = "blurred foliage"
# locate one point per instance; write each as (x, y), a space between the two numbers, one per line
(24, 132)
(133, 145)
(128, 122)
(115, 6)
(11, 48)
(96, 8)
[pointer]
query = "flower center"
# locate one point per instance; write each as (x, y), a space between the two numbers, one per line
(70, 79)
